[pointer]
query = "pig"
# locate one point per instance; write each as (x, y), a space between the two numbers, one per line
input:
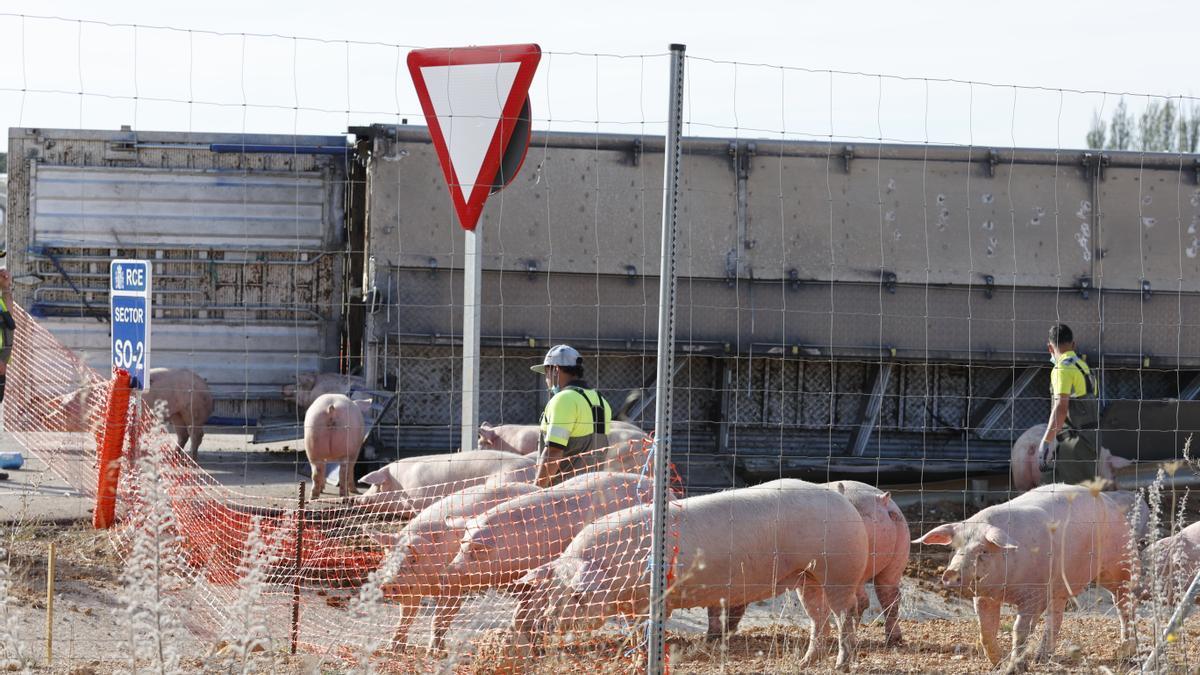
(1027, 475)
(1173, 561)
(309, 386)
(411, 484)
(427, 544)
(187, 402)
(1036, 552)
(333, 433)
(888, 546)
(182, 396)
(734, 547)
(508, 540)
(523, 438)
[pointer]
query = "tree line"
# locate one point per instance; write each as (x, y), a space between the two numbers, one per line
(1164, 126)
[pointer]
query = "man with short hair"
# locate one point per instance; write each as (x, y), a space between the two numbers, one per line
(1074, 413)
(576, 419)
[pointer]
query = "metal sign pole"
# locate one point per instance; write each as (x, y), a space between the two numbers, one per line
(666, 351)
(472, 290)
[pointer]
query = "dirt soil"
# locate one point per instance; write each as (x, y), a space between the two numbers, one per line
(939, 628)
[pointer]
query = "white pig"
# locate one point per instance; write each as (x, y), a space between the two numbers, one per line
(1027, 475)
(1172, 562)
(186, 400)
(523, 438)
(333, 433)
(411, 484)
(427, 544)
(1036, 552)
(734, 547)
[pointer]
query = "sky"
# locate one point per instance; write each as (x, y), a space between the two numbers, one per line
(1018, 73)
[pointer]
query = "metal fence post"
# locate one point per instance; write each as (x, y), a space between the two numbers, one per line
(666, 351)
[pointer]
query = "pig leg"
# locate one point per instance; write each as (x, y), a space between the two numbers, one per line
(444, 613)
(181, 436)
(1027, 615)
(812, 597)
(196, 435)
(842, 601)
(987, 613)
(888, 593)
(1054, 617)
(318, 478)
(408, 613)
(715, 629)
(733, 616)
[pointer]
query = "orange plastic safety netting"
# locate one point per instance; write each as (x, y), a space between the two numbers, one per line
(457, 552)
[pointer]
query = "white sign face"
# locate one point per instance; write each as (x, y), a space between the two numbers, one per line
(129, 314)
(469, 101)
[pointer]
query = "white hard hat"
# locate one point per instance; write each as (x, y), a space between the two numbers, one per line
(559, 355)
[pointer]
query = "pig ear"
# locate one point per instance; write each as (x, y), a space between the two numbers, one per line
(941, 535)
(885, 498)
(999, 537)
(376, 477)
(364, 404)
(487, 434)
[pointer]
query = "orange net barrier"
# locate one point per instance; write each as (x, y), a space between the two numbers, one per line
(447, 551)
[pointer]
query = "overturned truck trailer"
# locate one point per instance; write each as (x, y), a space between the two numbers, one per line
(869, 310)
(246, 234)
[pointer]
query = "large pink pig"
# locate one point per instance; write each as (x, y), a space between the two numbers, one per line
(333, 433)
(514, 537)
(888, 546)
(187, 400)
(734, 547)
(887, 537)
(523, 438)
(427, 544)
(626, 451)
(411, 484)
(1036, 552)
(500, 545)
(1026, 474)
(1171, 562)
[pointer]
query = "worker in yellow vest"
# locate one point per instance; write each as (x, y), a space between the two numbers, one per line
(575, 421)
(1074, 413)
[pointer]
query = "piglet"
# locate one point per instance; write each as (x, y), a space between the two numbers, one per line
(1036, 552)
(333, 433)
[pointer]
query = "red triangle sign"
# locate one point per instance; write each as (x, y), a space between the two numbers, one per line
(472, 98)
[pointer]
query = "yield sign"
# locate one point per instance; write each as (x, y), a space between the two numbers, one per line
(472, 98)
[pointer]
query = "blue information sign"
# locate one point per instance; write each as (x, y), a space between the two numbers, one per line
(129, 311)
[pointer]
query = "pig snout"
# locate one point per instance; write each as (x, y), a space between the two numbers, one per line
(952, 578)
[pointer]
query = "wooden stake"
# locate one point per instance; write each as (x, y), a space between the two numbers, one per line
(50, 607)
(296, 578)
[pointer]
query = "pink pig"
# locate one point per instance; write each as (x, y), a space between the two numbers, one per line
(1174, 561)
(1026, 474)
(333, 433)
(427, 544)
(411, 484)
(888, 547)
(734, 547)
(1036, 552)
